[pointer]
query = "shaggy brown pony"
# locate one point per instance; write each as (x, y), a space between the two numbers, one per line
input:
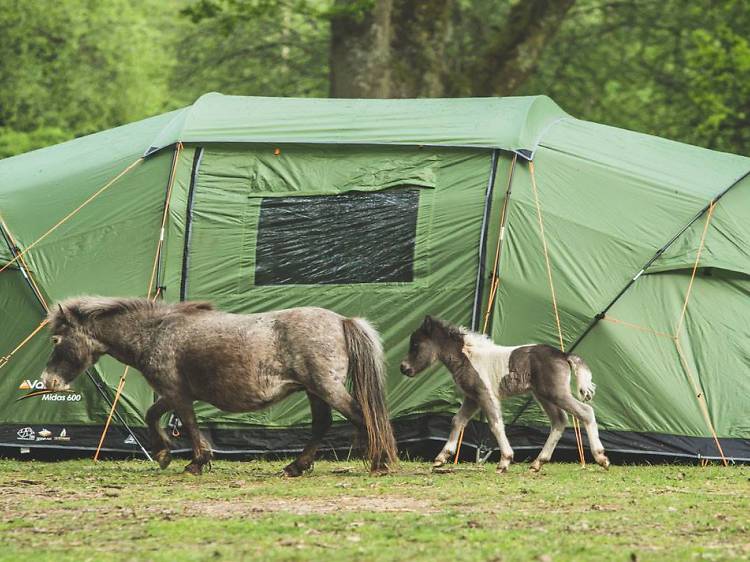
(237, 362)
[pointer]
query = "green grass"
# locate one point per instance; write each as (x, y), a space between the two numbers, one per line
(78, 510)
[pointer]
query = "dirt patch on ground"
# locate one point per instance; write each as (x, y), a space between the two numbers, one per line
(12, 501)
(308, 506)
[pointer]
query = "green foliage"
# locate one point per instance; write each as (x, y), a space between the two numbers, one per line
(253, 47)
(17, 142)
(670, 68)
(71, 67)
(79, 66)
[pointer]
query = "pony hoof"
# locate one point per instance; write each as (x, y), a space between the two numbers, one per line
(194, 469)
(163, 457)
(535, 467)
(294, 470)
(501, 470)
(603, 462)
(379, 471)
(438, 463)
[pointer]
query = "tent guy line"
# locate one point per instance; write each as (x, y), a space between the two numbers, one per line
(159, 292)
(71, 214)
(42, 300)
(495, 277)
(576, 426)
(603, 314)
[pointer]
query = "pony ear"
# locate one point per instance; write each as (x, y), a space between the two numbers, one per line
(65, 315)
(428, 324)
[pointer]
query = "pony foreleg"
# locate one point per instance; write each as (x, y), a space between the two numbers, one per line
(321, 422)
(201, 451)
(466, 411)
(159, 439)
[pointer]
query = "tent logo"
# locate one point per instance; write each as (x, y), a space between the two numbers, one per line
(44, 434)
(63, 436)
(174, 423)
(37, 388)
(26, 434)
(28, 384)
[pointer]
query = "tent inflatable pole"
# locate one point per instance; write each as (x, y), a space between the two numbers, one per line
(479, 287)
(655, 257)
(154, 283)
(16, 254)
(189, 223)
(483, 450)
(495, 270)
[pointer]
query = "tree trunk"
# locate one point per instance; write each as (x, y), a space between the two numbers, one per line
(421, 31)
(360, 50)
(397, 48)
(511, 57)
(392, 50)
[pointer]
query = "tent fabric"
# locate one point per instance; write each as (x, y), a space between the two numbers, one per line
(512, 123)
(375, 208)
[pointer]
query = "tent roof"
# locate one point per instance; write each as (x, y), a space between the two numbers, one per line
(510, 123)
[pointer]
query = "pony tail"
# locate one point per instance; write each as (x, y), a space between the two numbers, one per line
(367, 374)
(584, 380)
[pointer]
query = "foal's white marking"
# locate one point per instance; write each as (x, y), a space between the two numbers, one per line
(489, 360)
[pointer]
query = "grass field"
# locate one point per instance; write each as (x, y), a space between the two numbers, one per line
(129, 510)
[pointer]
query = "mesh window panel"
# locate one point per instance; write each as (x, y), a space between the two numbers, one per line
(343, 239)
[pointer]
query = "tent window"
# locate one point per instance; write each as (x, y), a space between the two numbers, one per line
(349, 238)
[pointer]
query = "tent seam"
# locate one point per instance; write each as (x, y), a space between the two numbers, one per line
(544, 131)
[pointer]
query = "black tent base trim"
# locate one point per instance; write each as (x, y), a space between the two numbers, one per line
(419, 437)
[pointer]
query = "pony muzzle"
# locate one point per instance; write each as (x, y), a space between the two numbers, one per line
(54, 383)
(406, 369)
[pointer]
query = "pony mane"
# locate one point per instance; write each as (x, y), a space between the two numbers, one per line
(192, 307)
(91, 307)
(475, 339)
(452, 330)
(468, 338)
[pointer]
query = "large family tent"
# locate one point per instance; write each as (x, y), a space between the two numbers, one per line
(392, 209)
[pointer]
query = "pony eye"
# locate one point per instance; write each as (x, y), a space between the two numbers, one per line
(56, 339)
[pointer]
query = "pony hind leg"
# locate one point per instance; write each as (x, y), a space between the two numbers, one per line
(558, 420)
(160, 442)
(321, 422)
(339, 399)
(585, 414)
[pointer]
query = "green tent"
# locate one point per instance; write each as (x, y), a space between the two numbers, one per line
(391, 209)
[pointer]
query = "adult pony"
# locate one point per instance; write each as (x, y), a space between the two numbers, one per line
(486, 373)
(237, 362)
